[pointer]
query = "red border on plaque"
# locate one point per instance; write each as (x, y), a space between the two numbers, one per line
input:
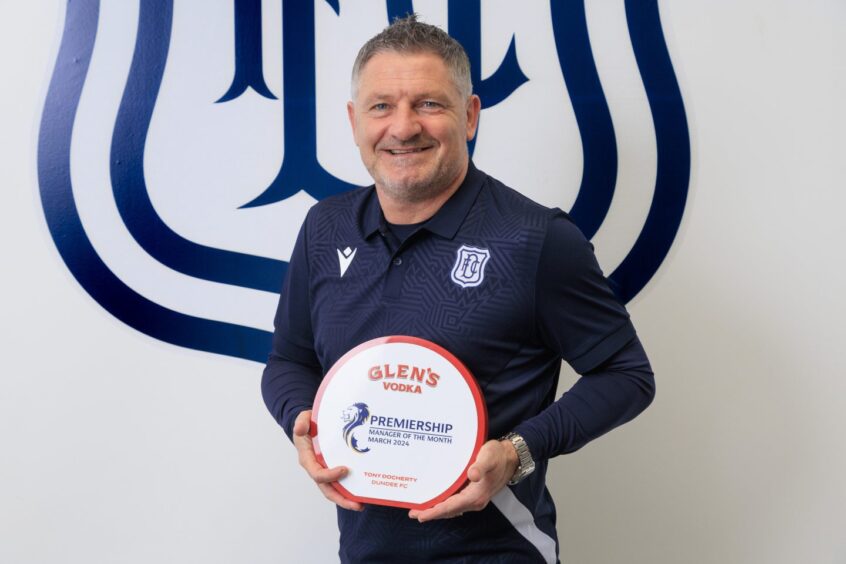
(481, 417)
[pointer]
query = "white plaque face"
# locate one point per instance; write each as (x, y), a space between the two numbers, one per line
(405, 416)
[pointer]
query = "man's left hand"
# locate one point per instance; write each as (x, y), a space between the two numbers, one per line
(496, 463)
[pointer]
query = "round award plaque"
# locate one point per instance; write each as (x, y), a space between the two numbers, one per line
(405, 416)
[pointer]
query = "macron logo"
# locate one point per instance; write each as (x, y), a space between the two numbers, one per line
(345, 259)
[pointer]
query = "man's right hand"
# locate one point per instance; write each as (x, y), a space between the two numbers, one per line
(323, 477)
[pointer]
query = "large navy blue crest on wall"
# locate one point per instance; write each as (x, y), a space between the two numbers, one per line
(182, 143)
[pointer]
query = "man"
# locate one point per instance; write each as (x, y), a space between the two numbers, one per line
(533, 295)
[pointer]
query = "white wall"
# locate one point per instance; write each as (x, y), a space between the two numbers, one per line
(120, 448)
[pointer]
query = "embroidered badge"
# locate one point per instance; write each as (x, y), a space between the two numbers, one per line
(469, 269)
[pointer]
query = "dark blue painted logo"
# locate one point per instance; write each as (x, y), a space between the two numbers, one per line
(300, 168)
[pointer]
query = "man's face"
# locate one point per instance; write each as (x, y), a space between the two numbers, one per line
(411, 125)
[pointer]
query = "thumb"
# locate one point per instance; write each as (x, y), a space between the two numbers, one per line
(302, 423)
(485, 462)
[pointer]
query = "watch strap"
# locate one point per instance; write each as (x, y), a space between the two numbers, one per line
(525, 462)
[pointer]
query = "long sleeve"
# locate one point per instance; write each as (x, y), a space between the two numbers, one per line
(293, 373)
(580, 319)
(611, 394)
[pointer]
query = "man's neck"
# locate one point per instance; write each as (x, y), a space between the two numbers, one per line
(401, 212)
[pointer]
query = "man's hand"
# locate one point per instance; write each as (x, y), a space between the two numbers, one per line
(323, 477)
(496, 463)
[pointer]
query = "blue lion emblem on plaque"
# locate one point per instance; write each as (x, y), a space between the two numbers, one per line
(355, 416)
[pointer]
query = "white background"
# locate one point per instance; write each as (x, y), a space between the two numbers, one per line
(119, 448)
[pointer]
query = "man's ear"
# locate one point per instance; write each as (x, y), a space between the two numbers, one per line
(474, 108)
(351, 116)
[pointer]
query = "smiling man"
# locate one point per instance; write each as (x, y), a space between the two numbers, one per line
(411, 121)
(393, 259)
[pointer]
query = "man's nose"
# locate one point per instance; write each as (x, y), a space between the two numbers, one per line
(405, 124)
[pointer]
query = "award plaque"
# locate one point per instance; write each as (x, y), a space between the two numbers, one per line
(405, 416)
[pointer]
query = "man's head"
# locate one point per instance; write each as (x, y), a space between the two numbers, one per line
(412, 111)
(407, 35)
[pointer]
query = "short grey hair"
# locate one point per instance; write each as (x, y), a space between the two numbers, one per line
(407, 35)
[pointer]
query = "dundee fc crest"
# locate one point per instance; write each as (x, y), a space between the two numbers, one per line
(182, 142)
(469, 269)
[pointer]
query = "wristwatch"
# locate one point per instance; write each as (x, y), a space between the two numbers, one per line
(525, 464)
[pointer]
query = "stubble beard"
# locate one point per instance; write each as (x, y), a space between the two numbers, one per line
(416, 190)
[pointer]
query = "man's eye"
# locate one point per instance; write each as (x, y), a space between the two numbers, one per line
(430, 104)
(381, 107)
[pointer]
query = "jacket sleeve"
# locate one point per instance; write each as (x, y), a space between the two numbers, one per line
(293, 373)
(580, 318)
(608, 396)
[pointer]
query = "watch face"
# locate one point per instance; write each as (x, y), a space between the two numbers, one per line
(405, 416)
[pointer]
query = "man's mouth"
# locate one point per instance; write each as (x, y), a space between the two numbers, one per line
(407, 151)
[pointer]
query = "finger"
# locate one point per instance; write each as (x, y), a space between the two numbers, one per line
(335, 497)
(328, 475)
(323, 477)
(415, 514)
(453, 506)
(437, 513)
(308, 460)
(320, 474)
